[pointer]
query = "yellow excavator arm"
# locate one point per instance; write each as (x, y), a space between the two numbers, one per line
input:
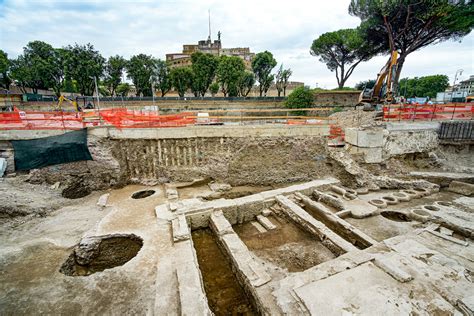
(72, 102)
(385, 80)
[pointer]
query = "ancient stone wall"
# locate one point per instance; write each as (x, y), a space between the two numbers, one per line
(336, 98)
(263, 160)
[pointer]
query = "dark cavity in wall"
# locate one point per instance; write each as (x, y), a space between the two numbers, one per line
(224, 293)
(142, 194)
(97, 254)
(76, 189)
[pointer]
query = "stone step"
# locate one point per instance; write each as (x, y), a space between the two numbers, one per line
(265, 222)
(259, 227)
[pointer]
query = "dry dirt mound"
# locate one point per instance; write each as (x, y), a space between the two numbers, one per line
(20, 200)
(353, 118)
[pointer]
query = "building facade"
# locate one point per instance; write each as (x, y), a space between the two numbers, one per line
(209, 47)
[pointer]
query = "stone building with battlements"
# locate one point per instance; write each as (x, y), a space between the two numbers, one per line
(210, 47)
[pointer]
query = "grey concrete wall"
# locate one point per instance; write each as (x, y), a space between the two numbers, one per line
(181, 132)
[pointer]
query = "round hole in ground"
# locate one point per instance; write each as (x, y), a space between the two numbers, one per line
(96, 254)
(410, 192)
(422, 190)
(421, 212)
(400, 194)
(142, 194)
(334, 195)
(444, 203)
(377, 201)
(395, 216)
(431, 208)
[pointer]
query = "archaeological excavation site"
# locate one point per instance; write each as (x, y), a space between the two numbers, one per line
(239, 219)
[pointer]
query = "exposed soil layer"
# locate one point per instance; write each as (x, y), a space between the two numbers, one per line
(76, 190)
(287, 246)
(101, 254)
(224, 293)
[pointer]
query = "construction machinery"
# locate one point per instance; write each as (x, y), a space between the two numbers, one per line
(72, 102)
(382, 92)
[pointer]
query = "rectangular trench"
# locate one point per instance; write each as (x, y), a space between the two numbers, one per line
(224, 293)
(287, 246)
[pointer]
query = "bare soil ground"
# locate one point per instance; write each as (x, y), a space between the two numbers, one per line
(287, 247)
(224, 294)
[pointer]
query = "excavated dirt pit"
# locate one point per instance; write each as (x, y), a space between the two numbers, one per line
(287, 246)
(224, 293)
(395, 216)
(101, 253)
(143, 194)
(76, 190)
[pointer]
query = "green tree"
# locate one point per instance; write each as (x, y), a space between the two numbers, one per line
(341, 51)
(229, 72)
(301, 97)
(246, 83)
(409, 25)
(162, 77)
(36, 66)
(20, 73)
(369, 84)
(427, 86)
(83, 64)
(58, 70)
(281, 79)
(69, 85)
(194, 84)
(104, 90)
(204, 67)
(262, 66)
(113, 73)
(141, 70)
(5, 80)
(123, 89)
(214, 88)
(181, 79)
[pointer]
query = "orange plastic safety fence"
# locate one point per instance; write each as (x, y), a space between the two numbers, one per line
(451, 111)
(120, 118)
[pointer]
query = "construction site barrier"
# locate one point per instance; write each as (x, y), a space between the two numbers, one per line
(128, 118)
(428, 112)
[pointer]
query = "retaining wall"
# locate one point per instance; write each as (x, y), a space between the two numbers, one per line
(260, 155)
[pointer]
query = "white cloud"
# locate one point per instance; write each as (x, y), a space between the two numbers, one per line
(159, 27)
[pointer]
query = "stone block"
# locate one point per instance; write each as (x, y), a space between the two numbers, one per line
(192, 298)
(364, 138)
(181, 229)
(258, 227)
(350, 136)
(371, 155)
(102, 202)
(220, 225)
(463, 188)
(265, 222)
(3, 166)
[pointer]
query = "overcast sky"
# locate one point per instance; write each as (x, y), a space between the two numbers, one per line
(285, 28)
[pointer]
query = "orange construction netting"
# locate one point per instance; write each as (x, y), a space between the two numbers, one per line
(451, 111)
(120, 118)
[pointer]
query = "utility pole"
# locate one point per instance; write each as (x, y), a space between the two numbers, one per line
(458, 72)
(97, 94)
(209, 13)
